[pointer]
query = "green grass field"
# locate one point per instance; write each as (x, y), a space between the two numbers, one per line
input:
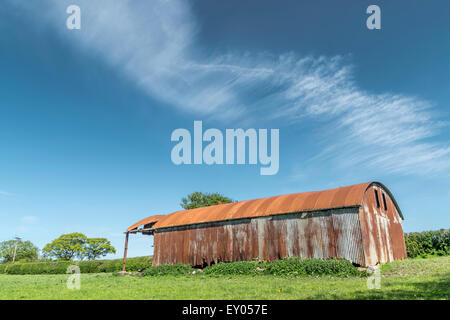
(408, 279)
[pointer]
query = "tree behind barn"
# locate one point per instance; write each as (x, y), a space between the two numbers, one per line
(199, 199)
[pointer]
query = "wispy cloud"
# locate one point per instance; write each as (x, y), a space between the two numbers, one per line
(27, 223)
(29, 220)
(5, 193)
(153, 43)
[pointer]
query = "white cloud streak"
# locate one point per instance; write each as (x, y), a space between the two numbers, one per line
(5, 193)
(27, 223)
(28, 220)
(153, 44)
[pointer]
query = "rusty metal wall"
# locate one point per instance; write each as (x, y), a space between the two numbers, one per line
(318, 234)
(381, 228)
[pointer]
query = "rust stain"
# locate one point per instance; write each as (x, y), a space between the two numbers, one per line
(334, 234)
(343, 222)
(382, 231)
(296, 202)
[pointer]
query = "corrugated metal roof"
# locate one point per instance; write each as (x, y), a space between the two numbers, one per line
(147, 220)
(296, 202)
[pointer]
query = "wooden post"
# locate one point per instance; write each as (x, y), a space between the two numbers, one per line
(15, 249)
(14, 256)
(125, 252)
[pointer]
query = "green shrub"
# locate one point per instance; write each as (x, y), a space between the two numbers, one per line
(311, 267)
(428, 243)
(168, 269)
(60, 267)
(233, 268)
(286, 267)
(137, 264)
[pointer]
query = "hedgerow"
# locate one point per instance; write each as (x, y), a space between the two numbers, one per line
(59, 267)
(428, 243)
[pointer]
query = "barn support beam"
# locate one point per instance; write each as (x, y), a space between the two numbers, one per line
(125, 252)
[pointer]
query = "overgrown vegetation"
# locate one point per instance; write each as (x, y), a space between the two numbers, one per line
(417, 267)
(234, 268)
(312, 267)
(428, 243)
(166, 269)
(284, 267)
(59, 267)
(414, 279)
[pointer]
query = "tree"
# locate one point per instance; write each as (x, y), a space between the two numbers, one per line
(26, 251)
(66, 247)
(199, 199)
(98, 247)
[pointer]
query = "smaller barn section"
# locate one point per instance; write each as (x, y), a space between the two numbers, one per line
(361, 223)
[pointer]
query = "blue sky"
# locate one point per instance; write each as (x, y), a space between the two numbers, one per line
(86, 115)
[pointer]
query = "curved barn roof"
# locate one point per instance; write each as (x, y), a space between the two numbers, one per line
(350, 196)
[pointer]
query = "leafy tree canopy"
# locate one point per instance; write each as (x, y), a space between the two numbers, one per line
(77, 245)
(26, 251)
(98, 247)
(66, 247)
(199, 199)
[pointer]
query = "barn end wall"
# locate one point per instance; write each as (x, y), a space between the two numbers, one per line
(381, 229)
(319, 234)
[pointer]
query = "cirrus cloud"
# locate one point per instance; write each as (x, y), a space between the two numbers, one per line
(153, 44)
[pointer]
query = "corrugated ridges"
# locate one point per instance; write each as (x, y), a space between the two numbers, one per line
(296, 202)
(146, 221)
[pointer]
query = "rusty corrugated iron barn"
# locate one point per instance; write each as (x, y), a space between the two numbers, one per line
(361, 223)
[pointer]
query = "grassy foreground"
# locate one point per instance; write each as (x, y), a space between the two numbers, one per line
(408, 279)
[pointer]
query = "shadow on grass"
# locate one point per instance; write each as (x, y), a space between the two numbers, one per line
(435, 288)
